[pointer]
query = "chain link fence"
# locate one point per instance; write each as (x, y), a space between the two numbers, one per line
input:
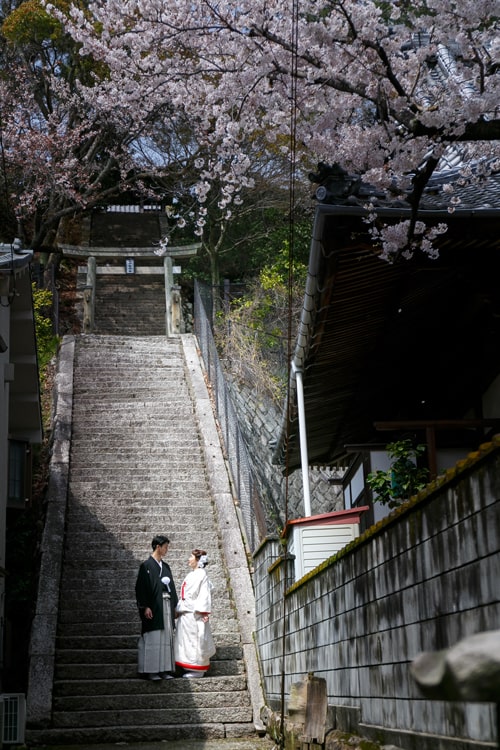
(245, 486)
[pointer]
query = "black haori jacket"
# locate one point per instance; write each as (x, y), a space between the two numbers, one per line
(149, 593)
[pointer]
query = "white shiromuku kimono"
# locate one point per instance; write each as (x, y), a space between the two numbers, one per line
(193, 642)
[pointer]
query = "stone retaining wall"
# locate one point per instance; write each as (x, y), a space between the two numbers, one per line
(259, 422)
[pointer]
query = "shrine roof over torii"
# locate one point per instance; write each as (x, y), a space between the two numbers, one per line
(120, 232)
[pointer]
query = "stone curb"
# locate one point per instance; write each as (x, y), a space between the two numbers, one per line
(232, 540)
(43, 632)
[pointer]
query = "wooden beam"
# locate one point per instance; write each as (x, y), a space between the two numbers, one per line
(83, 251)
(436, 424)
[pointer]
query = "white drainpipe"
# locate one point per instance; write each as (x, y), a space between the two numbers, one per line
(303, 439)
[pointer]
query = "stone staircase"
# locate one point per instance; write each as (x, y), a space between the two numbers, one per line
(131, 303)
(137, 468)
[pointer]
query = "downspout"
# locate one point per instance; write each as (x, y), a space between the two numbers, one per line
(306, 323)
(303, 439)
(301, 347)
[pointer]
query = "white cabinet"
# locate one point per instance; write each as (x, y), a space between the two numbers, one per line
(314, 539)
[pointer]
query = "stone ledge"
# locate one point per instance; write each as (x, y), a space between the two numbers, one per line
(43, 638)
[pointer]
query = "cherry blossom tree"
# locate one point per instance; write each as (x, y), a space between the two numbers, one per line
(61, 153)
(71, 142)
(384, 89)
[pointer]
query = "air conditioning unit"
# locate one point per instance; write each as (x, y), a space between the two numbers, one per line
(13, 718)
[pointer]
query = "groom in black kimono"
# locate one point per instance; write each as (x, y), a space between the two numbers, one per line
(156, 599)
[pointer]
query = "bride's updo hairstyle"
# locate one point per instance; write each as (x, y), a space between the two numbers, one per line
(201, 556)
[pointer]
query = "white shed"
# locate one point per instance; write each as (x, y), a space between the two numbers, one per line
(314, 539)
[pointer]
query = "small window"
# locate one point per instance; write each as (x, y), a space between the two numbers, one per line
(358, 486)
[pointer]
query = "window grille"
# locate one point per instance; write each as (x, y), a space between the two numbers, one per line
(13, 718)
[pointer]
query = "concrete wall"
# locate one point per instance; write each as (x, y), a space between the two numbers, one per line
(420, 580)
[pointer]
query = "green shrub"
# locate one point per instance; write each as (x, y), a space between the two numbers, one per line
(403, 479)
(46, 340)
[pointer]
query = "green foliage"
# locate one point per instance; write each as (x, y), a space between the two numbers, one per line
(30, 23)
(403, 479)
(251, 243)
(275, 276)
(253, 336)
(40, 38)
(46, 341)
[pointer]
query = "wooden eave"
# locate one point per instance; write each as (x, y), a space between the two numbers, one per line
(417, 339)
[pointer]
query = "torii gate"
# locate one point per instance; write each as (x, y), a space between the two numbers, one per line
(129, 256)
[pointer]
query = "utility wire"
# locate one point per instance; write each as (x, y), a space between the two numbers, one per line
(291, 248)
(5, 181)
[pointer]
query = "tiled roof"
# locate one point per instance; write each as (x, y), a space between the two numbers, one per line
(480, 193)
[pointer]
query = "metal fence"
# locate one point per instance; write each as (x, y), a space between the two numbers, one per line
(245, 487)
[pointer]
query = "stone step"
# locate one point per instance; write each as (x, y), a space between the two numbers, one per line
(176, 699)
(128, 562)
(118, 307)
(175, 456)
(86, 590)
(161, 732)
(145, 717)
(74, 608)
(126, 463)
(149, 327)
(139, 539)
(118, 671)
(125, 444)
(137, 545)
(160, 352)
(135, 386)
(126, 567)
(222, 615)
(141, 298)
(137, 513)
(137, 468)
(223, 620)
(158, 495)
(119, 304)
(118, 412)
(132, 374)
(120, 342)
(138, 479)
(116, 519)
(224, 629)
(164, 477)
(137, 551)
(115, 304)
(136, 357)
(103, 656)
(180, 451)
(97, 629)
(131, 558)
(137, 686)
(129, 641)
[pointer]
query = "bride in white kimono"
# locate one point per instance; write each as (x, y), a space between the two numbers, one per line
(193, 643)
